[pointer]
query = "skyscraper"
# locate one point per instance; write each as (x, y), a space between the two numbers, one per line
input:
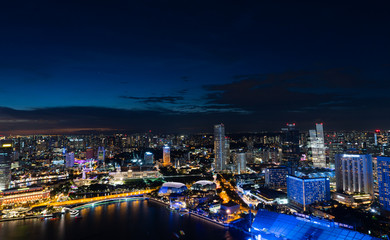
(166, 155)
(5, 164)
(290, 146)
(317, 146)
(148, 158)
(219, 147)
(354, 173)
(384, 182)
(101, 154)
(69, 160)
(302, 192)
(239, 160)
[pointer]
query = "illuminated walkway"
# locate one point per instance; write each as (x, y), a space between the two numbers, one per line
(93, 199)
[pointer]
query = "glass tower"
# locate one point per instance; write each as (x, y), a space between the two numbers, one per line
(5, 164)
(384, 182)
(219, 147)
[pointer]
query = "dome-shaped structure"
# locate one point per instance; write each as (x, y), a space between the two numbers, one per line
(204, 185)
(172, 187)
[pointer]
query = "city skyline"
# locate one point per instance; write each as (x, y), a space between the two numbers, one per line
(182, 67)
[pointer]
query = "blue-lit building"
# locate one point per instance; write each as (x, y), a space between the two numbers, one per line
(302, 192)
(383, 164)
(276, 177)
(273, 226)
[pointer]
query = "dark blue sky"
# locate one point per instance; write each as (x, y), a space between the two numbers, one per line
(182, 66)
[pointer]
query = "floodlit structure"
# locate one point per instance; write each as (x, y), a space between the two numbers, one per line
(317, 146)
(302, 192)
(354, 174)
(166, 156)
(204, 186)
(6, 149)
(272, 225)
(172, 187)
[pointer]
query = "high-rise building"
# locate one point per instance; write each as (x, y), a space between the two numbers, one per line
(276, 177)
(89, 153)
(6, 149)
(166, 156)
(69, 159)
(290, 146)
(101, 154)
(220, 147)
(148, 158)
(383, 164)
(302, 192)
(239, 160)
(317, 146)
(354, 173)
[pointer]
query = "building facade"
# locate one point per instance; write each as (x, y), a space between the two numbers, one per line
(354, 174)
(383, 164)
(317, 146)
(220, 147)
(166, 156)
(276, 177)
(6, 149)
(302, 192)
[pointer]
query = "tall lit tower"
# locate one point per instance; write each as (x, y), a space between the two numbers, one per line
(166, 155)
(219, 147)
(354, 173)
(384, 182)
(317, 146)
(5, 164)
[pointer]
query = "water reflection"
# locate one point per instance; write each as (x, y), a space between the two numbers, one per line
(125, 220)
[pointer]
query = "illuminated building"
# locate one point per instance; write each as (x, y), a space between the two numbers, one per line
(239, 160)
(220, 147)
(302, 192)
(272, 225)
(89, 154)
(354, 174)
(204, 186)
(148, 158)
(172, 187)
(23, 195)
(317, 146)
(166, 156)
(276, 177)
(101, 154)
(6, 148)
(384, 182)
(69, 160)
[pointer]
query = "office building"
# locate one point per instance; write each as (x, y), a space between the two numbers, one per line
(384, 182)
(290, 146)
(101, 154)
(6, 149)
(148, 158)
(89, 153)
(239, 160)
(317, 146)
(166, 156)
(276, 177)
(302, 192)
(69, 160)
(220, 147)
(354, 174)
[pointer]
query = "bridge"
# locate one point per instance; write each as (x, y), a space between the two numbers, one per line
(93, 199)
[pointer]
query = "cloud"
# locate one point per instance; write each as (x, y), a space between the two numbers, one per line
(151, 100)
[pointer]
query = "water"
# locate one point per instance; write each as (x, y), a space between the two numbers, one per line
(137, 219)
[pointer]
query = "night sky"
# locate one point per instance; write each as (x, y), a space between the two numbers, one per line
(183, 66)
